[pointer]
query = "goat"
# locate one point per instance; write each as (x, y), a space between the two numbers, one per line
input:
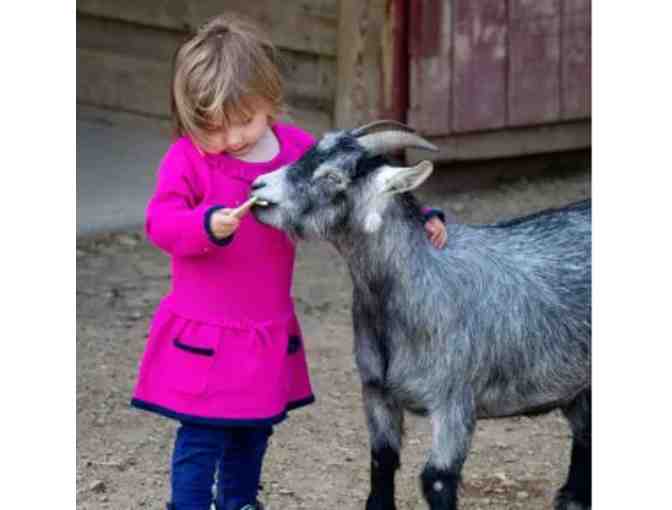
(497, 324)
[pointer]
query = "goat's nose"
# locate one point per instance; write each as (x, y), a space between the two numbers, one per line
(257, 185)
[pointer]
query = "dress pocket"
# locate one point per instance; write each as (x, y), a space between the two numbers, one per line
(190, 356)
(238, 364)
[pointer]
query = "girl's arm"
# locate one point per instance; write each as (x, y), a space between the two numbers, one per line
(176, 222)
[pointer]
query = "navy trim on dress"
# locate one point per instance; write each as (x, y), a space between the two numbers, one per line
(201, 351)
(221, 422)
(206, 223)
(300, 403)
(435, 212)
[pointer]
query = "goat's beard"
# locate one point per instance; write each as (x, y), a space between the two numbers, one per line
(277, 218)
(267, 215)
(299, 225)
(307, 231)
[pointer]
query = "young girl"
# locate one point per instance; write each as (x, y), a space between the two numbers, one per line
(225, 355)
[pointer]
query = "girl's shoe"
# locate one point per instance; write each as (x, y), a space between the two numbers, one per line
(256, 506)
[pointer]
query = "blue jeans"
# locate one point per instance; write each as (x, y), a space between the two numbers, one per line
(235, 454)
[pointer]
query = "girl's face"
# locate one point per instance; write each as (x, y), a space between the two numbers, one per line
(239, 137)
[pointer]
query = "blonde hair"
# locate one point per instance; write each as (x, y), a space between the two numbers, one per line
(218, 74)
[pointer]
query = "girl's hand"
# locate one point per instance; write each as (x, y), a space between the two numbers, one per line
(223, 223)
(436, 231)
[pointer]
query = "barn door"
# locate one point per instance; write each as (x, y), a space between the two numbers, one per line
(482, 65)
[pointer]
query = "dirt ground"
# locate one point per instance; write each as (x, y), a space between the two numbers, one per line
(318, 458)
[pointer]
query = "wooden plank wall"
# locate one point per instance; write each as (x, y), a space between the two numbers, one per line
(534, 62)
(430, 66)
(479, 34)
(500, 66)
(125, 48)
(576, 62)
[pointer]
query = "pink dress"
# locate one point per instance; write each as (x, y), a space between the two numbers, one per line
(225, 346)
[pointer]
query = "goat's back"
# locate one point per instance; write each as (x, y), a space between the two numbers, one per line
(554, 245)
(515, 298)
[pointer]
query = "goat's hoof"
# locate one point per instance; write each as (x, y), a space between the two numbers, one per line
(566, 501)
(380, 504)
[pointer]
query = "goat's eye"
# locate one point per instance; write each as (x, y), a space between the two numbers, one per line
(333, 177)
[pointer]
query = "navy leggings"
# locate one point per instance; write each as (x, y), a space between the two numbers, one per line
(234, 454)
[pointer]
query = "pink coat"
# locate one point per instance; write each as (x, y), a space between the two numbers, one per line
(224, 346)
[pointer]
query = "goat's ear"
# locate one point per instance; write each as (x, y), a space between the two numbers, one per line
(392, 180)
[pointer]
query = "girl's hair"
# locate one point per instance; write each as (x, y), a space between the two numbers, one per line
(219, 72)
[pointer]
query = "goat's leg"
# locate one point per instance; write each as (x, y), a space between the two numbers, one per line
(385, 420)
(576, 493)
(453, 428)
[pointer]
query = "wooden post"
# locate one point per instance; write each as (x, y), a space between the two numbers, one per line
(359, 62)
(395, 66)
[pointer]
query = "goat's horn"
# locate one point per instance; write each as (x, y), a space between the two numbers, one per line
(377, 124)
(390, 141)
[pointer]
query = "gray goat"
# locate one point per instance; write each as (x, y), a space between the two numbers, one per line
(497, 324)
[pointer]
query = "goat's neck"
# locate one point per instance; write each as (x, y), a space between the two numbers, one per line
(389, 251)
